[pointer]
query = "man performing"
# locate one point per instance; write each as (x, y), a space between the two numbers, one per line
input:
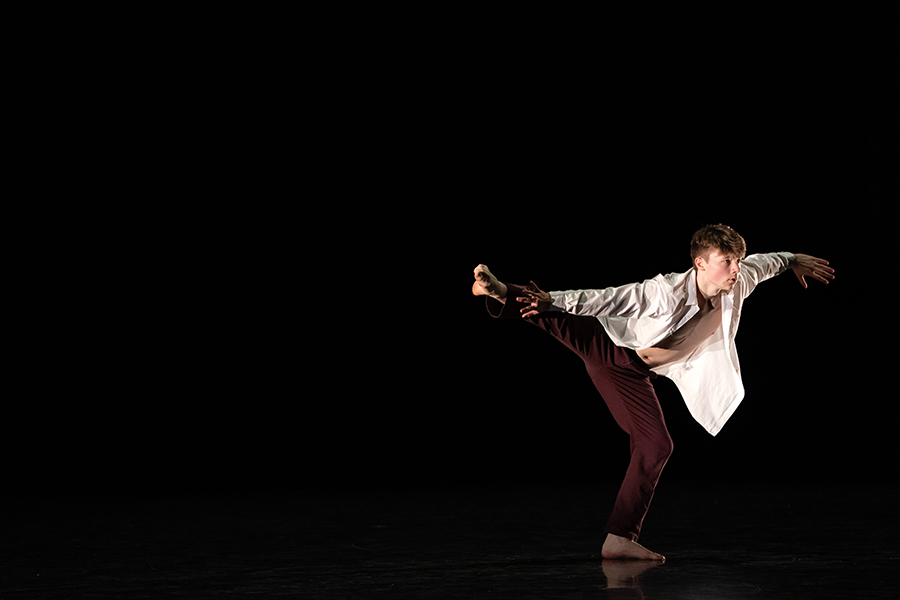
(681, 326)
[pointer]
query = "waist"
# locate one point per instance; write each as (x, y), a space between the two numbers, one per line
(660, 357)
(638, 362)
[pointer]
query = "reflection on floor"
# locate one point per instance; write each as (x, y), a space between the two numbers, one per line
(721, 541)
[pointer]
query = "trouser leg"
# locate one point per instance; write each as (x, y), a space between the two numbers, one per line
(634, 405)
(624, 383)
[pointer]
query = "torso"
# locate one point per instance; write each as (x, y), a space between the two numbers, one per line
(688, 338)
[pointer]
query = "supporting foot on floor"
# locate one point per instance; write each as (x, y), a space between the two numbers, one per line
(617, 546)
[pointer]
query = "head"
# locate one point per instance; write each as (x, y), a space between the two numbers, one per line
(717, 251)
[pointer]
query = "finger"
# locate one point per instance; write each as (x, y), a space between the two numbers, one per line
(824, 271)
(801, 279)
(534, 286)
(531, 313)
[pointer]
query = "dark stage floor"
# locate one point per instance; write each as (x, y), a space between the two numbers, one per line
(722, 541)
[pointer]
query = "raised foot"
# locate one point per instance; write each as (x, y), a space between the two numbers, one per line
(618, 547)
(488, 285)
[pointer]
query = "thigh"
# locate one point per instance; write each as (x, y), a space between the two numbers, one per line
(632, 401)
(583, 335)
(619, 375)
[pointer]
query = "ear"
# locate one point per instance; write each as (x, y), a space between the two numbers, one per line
(700, 263)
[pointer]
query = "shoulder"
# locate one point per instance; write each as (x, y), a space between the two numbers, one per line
(675, 281)
(670, 288)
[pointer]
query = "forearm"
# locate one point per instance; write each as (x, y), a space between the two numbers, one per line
(626, 301)
(592, 303)
(784, 261)
(760, 267)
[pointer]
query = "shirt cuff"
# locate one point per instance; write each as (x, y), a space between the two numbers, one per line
(791, 259)
(554, 298)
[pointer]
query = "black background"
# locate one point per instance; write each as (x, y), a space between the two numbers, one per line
(246, 261)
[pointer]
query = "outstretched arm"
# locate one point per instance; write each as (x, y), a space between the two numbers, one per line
(805, 265)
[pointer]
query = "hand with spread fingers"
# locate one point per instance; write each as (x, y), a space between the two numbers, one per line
(810, 266)
(537, 301)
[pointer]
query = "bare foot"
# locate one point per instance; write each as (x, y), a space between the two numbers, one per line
(488, 285)
(617, 546)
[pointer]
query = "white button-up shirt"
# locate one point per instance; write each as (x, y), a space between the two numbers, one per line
(640, 315)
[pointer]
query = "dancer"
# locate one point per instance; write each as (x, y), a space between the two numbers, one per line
(681, 326)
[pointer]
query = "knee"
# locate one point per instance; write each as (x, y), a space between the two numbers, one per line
(656, 451)
(666, 448)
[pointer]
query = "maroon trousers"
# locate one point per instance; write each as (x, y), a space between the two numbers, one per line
(623, 380)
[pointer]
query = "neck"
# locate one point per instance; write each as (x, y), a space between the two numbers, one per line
(705, 288)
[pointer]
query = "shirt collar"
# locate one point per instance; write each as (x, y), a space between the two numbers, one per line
(692, 288)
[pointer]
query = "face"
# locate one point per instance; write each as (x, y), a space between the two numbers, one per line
(721, 269)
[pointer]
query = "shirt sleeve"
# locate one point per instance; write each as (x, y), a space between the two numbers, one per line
(634, 300)
(756, 268)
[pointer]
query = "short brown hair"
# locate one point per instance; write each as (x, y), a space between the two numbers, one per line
(717, 237)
